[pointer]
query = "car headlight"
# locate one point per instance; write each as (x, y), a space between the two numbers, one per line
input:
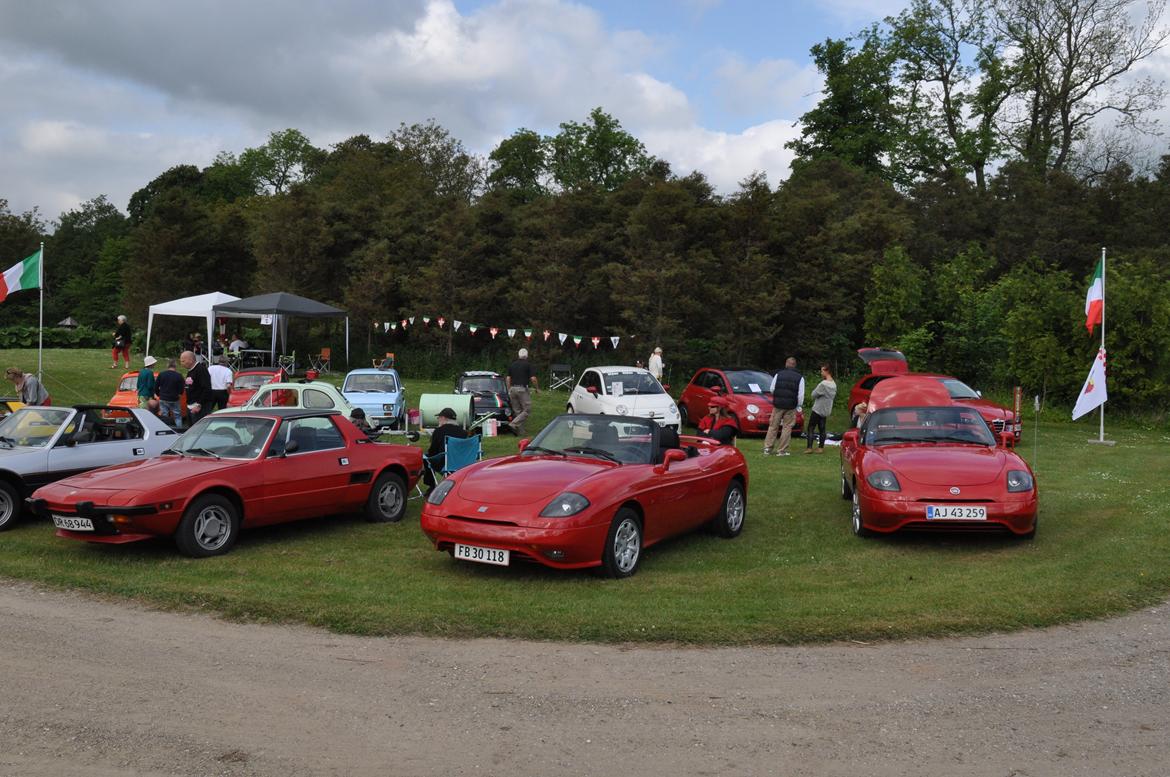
(884, 480)
(622, 410)
(388, 408)
(674, 409)
(753, 408)
(440, 493)
(1019, 480)
(563, 506)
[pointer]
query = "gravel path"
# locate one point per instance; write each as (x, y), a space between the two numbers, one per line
(95, 688)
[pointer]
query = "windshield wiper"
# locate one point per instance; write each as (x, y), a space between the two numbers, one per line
(11, 443)
(594, 452)
(538, 449)
(205, 450)
(171, 452)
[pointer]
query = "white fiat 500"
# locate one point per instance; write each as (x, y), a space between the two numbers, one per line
(623, 391)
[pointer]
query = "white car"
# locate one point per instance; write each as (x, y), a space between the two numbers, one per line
(316, 395)
(623, 391)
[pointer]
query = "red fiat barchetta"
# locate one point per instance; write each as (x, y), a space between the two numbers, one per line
(588, 491)
(922, 460)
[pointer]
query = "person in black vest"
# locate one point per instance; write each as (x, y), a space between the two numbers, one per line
(437, 453)
(787, 398)
(200, 398)
(520, 375)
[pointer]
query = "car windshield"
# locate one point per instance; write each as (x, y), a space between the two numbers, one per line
(32, 427)
(629, 441)
(623, 383)
(749, 381)
(379, 383)
(225, 437)
(958, 389)
(930, 425)
(487, 383)
(129, 383)
(250, 381)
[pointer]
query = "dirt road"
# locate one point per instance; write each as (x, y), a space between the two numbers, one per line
(101, 689)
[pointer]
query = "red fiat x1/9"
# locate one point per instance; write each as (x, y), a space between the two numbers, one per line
(924, 461)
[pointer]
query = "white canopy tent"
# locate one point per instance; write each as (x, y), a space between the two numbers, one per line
(199, 306)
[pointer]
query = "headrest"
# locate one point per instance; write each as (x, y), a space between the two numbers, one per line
(667, 438)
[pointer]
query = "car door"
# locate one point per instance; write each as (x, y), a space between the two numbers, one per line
(584, 400)
(311, 480)
(91, 441)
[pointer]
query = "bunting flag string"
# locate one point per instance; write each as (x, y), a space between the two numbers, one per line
(427, 320)
(512, 332)
(457, 324)
(614, 340)
(546, 335)
(473, 328)
(441, 321)
(563, 337)
(495, 330)
(596, 342)
(577, 341)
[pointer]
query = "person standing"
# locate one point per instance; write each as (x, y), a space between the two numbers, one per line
(221, 383)
(146, 381)
(437, 454)
(169, 388)
(28, 388)
(787, 398)
(122, 336)
(199, 398)
(822, 397)
(655, 364)
(520, 375)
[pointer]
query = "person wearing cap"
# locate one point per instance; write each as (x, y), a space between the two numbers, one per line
(437, 453)
(718, 424)
(28, 388)
(358, 419)
(655, 364)
(146, 381)
(122, 337)
(520, 375)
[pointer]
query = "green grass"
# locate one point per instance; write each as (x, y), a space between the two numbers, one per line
(795, 575)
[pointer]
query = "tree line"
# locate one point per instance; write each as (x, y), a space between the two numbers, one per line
(931, 208)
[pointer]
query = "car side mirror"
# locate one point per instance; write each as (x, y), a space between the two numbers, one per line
(1007, 439)
(851, 437)
(591, 389)
(674, 455)
(292, 446)
(523, 444)
(69, 442)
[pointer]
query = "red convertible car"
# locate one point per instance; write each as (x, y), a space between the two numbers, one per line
(232, 471)
(924, 461)
(746, 391)
(588, 491)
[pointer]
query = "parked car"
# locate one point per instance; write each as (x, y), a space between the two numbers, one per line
(246, 382)
(311, 395)
(9, 405)
(378, 392)
(39, 445)
(624, 391)
(885, 364)
(588, 491)
(489, 394)
(922, 460)
(746, 390)
(127, 393)
(235, 470)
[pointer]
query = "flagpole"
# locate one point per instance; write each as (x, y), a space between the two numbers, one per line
(1101, 434)
(41, 329)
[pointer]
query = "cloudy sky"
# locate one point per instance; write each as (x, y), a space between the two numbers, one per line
(100, 97)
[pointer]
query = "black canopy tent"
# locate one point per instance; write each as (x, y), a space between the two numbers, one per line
(281, 305)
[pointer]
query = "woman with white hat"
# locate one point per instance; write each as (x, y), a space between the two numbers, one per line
(146, 381)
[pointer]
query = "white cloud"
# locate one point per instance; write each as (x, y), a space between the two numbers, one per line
(727, 158)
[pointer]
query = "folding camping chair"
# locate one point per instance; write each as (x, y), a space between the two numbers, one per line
(561, 376)
(320, 362)
(458, 452)
(288, 362)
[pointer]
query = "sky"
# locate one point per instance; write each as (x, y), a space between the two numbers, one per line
(100, 98)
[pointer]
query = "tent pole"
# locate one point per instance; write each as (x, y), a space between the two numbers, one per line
(347, 343)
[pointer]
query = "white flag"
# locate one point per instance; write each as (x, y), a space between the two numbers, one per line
(457, 325)
(1093, 395)
(563, 337)
(614, 340)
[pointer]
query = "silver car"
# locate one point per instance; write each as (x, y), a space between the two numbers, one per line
(39, 445)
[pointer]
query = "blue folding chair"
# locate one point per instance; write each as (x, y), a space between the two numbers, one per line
(458, 452)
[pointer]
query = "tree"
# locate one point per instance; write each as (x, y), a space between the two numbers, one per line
(73, 275)
(519, 164)
(439, 159)
(893, 301)
(598, 153)
(287, 158)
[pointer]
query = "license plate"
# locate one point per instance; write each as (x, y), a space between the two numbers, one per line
(70, 523)
(955, 513)
(482, 555)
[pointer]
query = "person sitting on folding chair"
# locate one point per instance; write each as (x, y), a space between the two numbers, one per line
(437, 453)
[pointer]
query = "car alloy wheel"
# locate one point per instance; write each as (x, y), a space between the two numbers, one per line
(209, 527)
(9, 506)
(846, 491)
(857, 525)
(730, 521)
(387, 500)
(623, 545)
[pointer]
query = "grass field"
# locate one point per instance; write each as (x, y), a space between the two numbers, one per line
(795, 575)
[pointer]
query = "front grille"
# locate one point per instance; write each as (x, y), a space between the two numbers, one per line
(997, 425)
(489, 521)
(956, 501)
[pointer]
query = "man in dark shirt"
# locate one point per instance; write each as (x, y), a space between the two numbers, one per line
(437, 453)
(520, 374)
(169, 387)
(199, 395)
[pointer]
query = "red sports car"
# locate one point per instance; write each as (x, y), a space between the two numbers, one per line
(247, 381)
(236, 470)
(588, 491)
(887, 364)
(924, 461)
(746, 391)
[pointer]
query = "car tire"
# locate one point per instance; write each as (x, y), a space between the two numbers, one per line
(846, 490)
(623, 545)
(855, 518)
(729, 522)
(10, 505)
(209, 527)
(387, 501)
(684, 420)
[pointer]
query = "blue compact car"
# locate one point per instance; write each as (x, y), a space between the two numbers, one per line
(379, 393)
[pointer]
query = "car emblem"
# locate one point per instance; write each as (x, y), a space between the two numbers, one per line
(482, 509)
(955, 490)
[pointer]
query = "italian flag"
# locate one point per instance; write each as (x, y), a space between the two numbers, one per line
(1094, 299)
(25, 275)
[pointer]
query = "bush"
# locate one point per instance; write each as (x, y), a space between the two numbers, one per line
(24, 336)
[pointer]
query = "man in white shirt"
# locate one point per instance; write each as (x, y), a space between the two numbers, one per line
(221, 382)
(239, 344)
(655, 365)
